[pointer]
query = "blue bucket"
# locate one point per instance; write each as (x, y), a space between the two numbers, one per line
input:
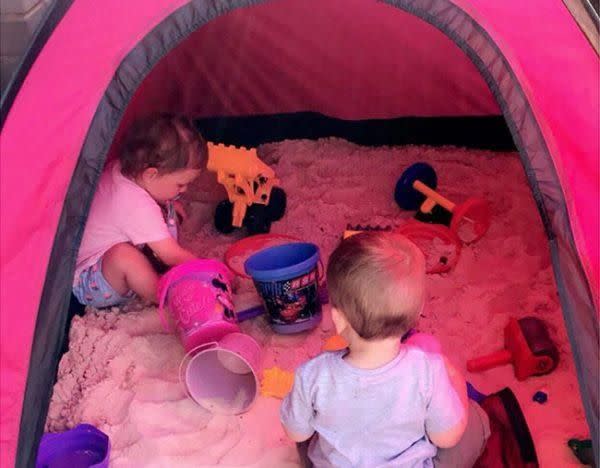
(287, 278)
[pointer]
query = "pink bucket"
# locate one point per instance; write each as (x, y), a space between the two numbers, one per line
(198, 295)
(222, 377)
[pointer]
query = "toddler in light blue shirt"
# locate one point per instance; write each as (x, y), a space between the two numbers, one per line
(380, 403)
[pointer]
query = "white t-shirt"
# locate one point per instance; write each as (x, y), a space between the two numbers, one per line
(372, 417)
(121, 211)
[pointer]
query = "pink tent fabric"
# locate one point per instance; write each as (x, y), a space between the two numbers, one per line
(47, 125)
(214, 71)
(570, 129)
(47, 129)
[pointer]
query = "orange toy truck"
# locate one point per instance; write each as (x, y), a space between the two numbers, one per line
(254, 199)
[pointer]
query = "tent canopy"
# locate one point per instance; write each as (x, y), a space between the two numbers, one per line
(100, 68)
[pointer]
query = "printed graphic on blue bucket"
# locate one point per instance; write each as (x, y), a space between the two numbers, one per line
(286, 277)
(291, 301)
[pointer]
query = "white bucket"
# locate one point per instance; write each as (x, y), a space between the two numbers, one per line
(222, 376)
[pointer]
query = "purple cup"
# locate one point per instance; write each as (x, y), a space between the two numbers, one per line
(81, 447)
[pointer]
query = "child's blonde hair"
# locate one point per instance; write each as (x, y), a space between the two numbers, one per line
(165, 142)
(377, 280)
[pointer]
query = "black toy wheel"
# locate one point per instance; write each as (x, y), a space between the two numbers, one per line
(277, 204)
(257, 220)
(224, 217)
(405, 195)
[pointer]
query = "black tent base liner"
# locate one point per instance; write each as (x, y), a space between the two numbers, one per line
(485, 132)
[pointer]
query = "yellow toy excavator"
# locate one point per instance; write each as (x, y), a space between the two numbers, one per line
(254, 200)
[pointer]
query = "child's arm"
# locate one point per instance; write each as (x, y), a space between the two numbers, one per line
(451, 437)
(449, 399)
(458, 382)
(170, 252)
(447, 414)
(431, 344)
(296, 411)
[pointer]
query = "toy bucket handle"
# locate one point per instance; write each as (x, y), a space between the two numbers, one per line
(188, 357)
(320, 272)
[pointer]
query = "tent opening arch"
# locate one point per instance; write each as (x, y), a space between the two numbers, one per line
(122, 100)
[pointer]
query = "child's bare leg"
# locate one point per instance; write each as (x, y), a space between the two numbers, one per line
(126, 268)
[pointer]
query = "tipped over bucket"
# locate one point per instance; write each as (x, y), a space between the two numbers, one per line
(222, 377)
(199, 298)
(287, 278)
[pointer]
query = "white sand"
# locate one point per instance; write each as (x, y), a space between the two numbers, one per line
(121, 373)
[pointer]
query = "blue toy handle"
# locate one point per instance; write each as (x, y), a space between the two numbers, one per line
(250, 313)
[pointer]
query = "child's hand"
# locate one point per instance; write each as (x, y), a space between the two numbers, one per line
(180, 210)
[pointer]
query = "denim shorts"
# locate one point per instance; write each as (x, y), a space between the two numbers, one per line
(92, 289)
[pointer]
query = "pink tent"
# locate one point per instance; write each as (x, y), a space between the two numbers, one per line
(523, 71)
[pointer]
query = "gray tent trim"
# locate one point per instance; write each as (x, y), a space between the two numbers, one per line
(587, 19)
(575, 295)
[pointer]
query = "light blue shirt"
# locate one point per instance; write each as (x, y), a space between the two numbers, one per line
(376, 417)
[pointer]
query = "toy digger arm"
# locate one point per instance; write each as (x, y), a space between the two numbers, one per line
(241, 161)
(245, 177)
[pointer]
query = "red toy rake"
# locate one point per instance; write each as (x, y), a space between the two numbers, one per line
(527, 345)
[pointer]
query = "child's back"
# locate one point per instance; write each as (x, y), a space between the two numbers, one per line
(373, 417)
(379, 402)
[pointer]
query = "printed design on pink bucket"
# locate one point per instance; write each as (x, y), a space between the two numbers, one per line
(199, 299)
(195, 302)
